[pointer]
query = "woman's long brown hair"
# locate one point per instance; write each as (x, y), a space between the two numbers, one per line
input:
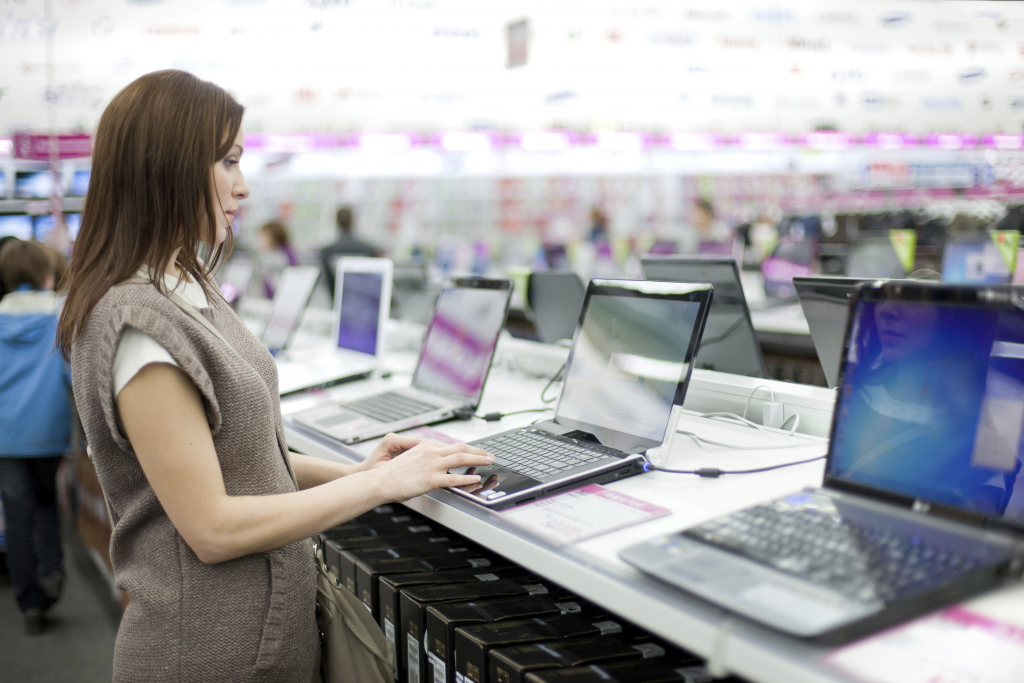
(151, 190)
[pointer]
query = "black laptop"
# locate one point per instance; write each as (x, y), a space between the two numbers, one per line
(630, 362)
(729, 343)
(921, 504)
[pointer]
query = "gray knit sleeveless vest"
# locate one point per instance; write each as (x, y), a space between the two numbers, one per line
(248, 619)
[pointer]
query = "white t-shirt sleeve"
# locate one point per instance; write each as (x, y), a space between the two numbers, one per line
(135, 351)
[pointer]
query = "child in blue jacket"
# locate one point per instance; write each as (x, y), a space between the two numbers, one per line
(35, 426)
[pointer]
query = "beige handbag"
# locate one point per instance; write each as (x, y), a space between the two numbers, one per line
(353, 648)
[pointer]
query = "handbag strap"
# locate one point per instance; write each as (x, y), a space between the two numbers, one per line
(199, 317)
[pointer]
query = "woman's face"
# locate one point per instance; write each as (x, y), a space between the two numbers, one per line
(904, 329)
(230, 186)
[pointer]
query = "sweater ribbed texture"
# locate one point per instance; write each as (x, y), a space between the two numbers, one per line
(248, 619)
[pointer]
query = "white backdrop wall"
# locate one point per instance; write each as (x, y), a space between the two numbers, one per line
(344, 65)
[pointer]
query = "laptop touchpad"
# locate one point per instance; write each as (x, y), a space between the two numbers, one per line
(495, 479)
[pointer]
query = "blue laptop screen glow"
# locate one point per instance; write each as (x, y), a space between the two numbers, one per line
(360, 311)
(977, 262)
(16, 225)
(932, 405)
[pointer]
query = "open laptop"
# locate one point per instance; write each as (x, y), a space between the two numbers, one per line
(790, 258)
(973, 258)
(293, 292)
(450, 375)
(920, 505)
(235, 278)
(630, 362)
(826, 303)
(362, 302)
(729, 343)
(873, 257)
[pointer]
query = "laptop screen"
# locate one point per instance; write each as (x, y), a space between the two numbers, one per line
(461, 337)
(729, 343)
(16, 225)
(290, 300)
(360, 311)
(974, 259)
(873, 257)
(630, 360)
(932, 400)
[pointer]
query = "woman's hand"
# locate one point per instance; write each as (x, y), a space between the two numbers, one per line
(390, 447)
(424, 467)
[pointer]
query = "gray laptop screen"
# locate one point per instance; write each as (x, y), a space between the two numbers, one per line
(460, 341)
(729, 343)
(932, 404)
(630, 355)
(360, 311)
(289, 302)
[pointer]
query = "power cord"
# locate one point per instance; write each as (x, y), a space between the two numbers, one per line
(550, 382)
(714, 472)
(494, 417)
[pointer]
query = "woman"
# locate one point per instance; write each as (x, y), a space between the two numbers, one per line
(211, 538)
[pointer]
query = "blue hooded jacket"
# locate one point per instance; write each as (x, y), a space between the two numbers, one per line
(35, 406)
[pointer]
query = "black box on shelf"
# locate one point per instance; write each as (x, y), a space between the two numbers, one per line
(333, 547)
(414, 602)
(391, 585)
(474, 643)
(512, 664)
(443, 619)
(408, 549)
(633, 671)
(368, 572)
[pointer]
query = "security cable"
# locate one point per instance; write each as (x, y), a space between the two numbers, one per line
(554, 379)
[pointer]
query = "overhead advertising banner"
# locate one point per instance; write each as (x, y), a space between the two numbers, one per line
(38, 147)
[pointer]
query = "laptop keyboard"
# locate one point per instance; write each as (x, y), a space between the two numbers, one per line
(389, 407)
(861, 563)
(538, 454)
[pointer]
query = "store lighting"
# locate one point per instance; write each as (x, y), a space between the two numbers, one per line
(693, 142)
(620, 142)
(889, 140)
(385, 142)
(1004, 141)
(466, 142)
(762, 142)
(827, 140)
(951, 141)
(544, 141)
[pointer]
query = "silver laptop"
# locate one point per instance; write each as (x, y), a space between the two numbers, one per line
(921, 504)
(450, 374)
(362, 302)
(234, 280)
(630, 362)
(729, 343)
(290, 299)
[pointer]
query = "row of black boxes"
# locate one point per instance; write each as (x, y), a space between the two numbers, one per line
(458, 613)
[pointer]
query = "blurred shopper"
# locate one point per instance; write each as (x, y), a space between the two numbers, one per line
(598, 226)
(180, 407)
(276, 254)
(347, 244)
(3, 288)
(35, 427)
(704, 220)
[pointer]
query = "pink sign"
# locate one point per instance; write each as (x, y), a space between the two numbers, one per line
(951, 140)
(37, 147)
(890, 140)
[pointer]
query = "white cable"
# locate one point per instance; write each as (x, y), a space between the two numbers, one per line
(701, 440)
(733, 418)
(749, 398)
(796, 423)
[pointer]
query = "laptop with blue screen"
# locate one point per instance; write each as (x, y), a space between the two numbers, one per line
(921, 504)
(362, 302)
(450, 375)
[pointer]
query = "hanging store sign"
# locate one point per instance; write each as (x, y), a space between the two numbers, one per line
(38, 147)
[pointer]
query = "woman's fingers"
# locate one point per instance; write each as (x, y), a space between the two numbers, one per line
(462, 480)
(455, 460)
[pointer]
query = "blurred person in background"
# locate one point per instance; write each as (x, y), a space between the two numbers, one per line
(347, 244)
(708, 227)
(35, 426)
(276, 253)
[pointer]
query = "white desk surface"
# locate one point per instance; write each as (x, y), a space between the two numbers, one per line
(592, 568)
(788, 319)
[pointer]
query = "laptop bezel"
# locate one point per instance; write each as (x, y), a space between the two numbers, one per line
(714, 261)
(370, 265)
(465, 283)
(987, 296)
(683, 291)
